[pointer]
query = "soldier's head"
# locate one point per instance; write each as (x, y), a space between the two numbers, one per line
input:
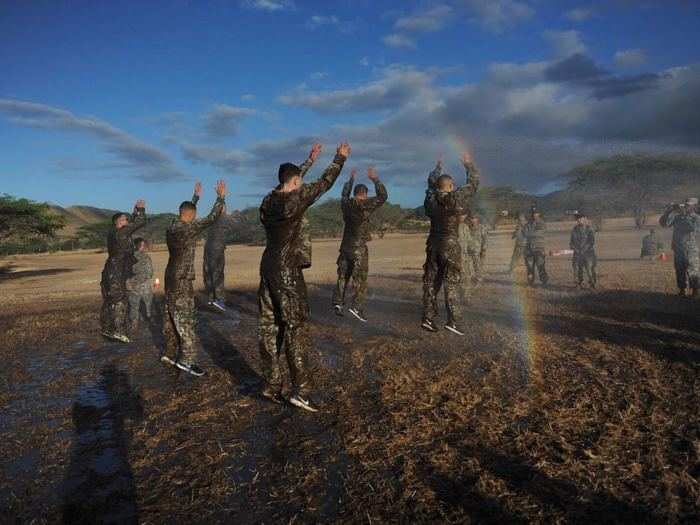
(522, 219)
(475, 220)
(289, 176)
(581, 218)
(445, 183)
(360, 192)
(140, 244)
(188, 211)
(464, 218)
(120, 220)
(534, 214)
(691, 204)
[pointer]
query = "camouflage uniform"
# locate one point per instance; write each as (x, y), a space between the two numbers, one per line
(353, 261)
(535, 257)
(282, 297)
(582, 242)
(213, 265)
(476, 251)
(464, 241)
(179, 316)
(686, 230)
(117, 269)
(140, 288)
(443, 261)
(650, 246)
(305, 247)
(519, 247)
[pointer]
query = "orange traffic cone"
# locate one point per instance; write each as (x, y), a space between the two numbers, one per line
(663, 256)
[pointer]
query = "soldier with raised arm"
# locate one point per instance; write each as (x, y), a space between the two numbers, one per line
(282, 295)
(685, 222)
(443, 265)
(117, 269)
(179, 317)
(353, 261)
(140, 285)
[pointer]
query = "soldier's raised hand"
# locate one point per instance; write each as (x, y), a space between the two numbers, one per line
(198, 189)
(315, 151)
(140, 204)
(372, 174)
(466, 158)
(221, 188)
(343, 149)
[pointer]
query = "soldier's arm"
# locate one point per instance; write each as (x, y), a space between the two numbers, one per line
(311, 192)
(313, 155)
(198, 226)
(434, 175)
(666, 220)
(380, 198)
(138, 219)
(572, 243)
(197, 193)
(347, 190)
(149, 268)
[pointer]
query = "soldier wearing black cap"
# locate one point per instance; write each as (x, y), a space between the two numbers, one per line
(535, 257)
(583, 244)
(282, 296)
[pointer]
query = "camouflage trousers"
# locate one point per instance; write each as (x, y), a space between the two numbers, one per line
(213, 273)
(142, 294)
(474, 262)
(442, 269)
(687, 268)
(352, 267)
(536, 260)
(585, 262)
(517, 257)
(179, 321)
(113, 316)
(283, 327)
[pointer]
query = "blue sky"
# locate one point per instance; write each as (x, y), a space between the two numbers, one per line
(102, 103)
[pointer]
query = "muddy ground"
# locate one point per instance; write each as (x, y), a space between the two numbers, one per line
(559, 405)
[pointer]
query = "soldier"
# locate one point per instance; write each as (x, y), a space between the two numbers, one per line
(650, 245)
(520, 242)
(686, 228)
(476, 249)
(179, 318)
(353, 260)
(583, 244)
(443, 265)
(282, 296)
(535, 248)
(140, 285)
(213, 265)
(464, 241)
(117, 268)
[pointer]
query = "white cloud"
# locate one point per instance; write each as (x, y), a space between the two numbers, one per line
(426, 21)
(224, 121)
(498, 15)
(630, 58)
(319, 20)
(399, 41)
(248, 97)
(565, 43)
(269, 5)
(364, 62)
(580, 14)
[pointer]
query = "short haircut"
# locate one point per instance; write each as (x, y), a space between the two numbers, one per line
(287, 172)
(187, 205)
(443, 179)
(138, 241)
(116, 216)
(360, 188)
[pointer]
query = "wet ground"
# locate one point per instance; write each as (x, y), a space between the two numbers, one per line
(558, 405)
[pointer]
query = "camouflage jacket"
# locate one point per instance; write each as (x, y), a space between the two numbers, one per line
(120, 246)
(281, 214)
(181, 238)
(356, 215)
(219, 231)
(465, 237)
(141, 272)
(519, 235)
(445, 208)
(582, 239)
(534, 235)
(686, 229)
(478, 239)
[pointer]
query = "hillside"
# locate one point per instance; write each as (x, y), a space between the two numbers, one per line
(78, 216)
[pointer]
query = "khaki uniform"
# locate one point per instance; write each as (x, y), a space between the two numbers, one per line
(535, 255)
(686, 255)
(140, 288)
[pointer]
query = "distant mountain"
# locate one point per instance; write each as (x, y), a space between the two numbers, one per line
(78, 216)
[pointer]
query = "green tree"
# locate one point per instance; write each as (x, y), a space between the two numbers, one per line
(23, 219)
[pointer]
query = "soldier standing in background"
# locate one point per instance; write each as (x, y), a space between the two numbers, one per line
(464, 241)
(582, 242)
(443, 265)
(650, 245)
(282, 295)
(686, 228)
(476, 249)
(535, 257)
(520, 242)
(353, 261)
(140, 285)
(214, 263)
(117, 268)
(179, 318)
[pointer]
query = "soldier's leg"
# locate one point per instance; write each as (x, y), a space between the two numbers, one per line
(218, 273)
(451, 281)
(359, 278)
(172, 341)
(430, 289)
(184, 319)
(342, 282)
(530, 265)
(541, 261)
(591, 264)
(694, 270)
(296, 336)
(207, 276)
(106, 318)
(269, 339)
(134, 309)
(681, 267)
(147, 298)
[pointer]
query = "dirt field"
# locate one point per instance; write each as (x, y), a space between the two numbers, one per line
(558, 406)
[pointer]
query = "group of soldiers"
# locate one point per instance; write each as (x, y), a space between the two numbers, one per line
(455, 251)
